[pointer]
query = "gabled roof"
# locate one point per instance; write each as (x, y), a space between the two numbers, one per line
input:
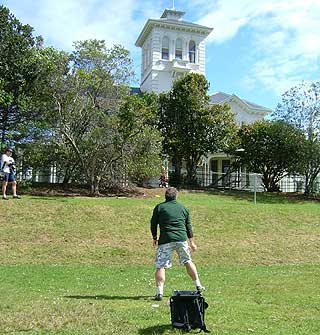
(221, 97)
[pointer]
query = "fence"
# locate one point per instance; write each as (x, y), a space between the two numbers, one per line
(251, 182)
(240, 181)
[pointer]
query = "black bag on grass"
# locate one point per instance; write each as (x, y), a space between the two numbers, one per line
(187, 310)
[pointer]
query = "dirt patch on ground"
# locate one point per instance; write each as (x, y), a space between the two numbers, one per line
(59, 190)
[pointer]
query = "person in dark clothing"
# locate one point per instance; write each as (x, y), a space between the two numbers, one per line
(175, 228)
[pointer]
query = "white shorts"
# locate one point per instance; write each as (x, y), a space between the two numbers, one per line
(165, 251)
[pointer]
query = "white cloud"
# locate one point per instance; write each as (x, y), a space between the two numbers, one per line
(283, 38)
(62, 22)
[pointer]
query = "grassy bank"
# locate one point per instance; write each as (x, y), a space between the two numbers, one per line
(85, 266)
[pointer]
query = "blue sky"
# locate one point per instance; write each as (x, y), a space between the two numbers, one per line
(258, 49)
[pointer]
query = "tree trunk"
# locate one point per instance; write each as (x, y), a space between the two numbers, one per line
(66, 180)
(269, 183)
(68, 175)
(4, 121)
(307, 186)
(177, 172)
(192, 171)
(95, 182)
(310, 179)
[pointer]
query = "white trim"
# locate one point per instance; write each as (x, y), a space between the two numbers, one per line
(176, 25)
(243, 104)
(249, 109)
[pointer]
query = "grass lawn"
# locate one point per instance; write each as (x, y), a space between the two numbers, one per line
(85, 266)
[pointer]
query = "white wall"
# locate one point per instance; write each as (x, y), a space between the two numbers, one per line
(243, 115)
(157, 74)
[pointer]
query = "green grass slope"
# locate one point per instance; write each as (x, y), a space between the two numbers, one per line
(85, 265)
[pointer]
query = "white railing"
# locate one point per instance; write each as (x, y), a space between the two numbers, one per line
(252, 181)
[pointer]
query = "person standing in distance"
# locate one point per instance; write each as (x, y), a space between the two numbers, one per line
(175, 227)
(8, 171)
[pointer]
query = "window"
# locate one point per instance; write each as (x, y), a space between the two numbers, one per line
(225, 172)
(165, 48)
(178, 54)
(143, 59)
(192, 52)
(150, 54)
(214, 171)
(147, 57)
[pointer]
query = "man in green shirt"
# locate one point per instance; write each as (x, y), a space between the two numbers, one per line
(175, 229)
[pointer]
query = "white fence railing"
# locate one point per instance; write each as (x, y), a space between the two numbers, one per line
(252, 182)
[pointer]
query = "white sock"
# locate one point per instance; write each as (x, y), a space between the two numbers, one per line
(160, 290)
(197, 282)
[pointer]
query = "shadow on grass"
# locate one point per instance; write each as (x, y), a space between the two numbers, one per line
(50, 198)
(16, 330)
(108, 297)
(160, 329)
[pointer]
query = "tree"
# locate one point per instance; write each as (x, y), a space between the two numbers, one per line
(301, 107)
(83, 105)
(190, 126)
(88, 111)
(42, 156)
(44, 146)
(140, 137)
(273, 149)
(18, 71)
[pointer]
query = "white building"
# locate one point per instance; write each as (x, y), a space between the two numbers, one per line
(245, 112)
(172, 47)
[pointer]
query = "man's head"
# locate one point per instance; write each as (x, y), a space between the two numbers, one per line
(8, 151)
(171, 193)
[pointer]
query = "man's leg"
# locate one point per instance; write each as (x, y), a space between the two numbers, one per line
(4, 189)
(193, 273)
(160, 277)
(14, 188)
(192, 270)
(163, 261)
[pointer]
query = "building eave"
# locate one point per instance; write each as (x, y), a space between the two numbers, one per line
(258, 110)
(252, 110)
(176, 25)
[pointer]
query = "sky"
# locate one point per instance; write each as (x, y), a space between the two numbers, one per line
(257, 50)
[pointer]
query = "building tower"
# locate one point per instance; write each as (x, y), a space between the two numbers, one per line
(170, 47)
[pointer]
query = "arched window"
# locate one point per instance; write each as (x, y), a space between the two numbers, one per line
(144, 65)
(192, 52)
(178, 54)
(147, 57)
(165, 48)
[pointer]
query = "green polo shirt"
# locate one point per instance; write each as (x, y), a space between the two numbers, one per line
(174, 222)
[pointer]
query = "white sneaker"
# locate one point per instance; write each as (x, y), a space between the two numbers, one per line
(200, 288)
